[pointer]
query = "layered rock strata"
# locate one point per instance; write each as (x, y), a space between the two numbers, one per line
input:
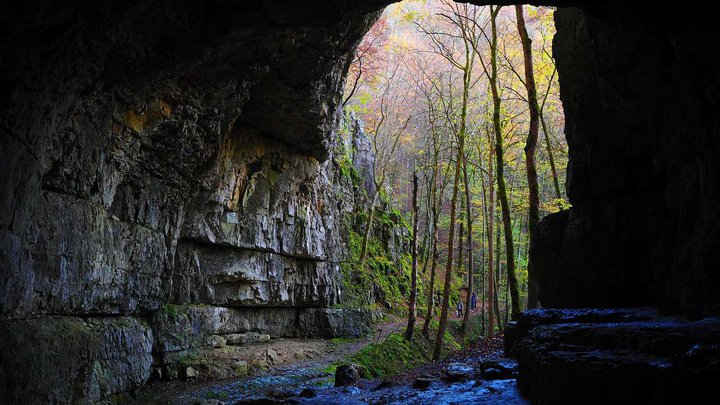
(615, 356)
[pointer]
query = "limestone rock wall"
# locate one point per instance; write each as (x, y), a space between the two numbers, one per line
(64, 359)
(640, 92)
(163, 153)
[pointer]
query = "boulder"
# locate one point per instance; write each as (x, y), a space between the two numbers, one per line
(458, 371)
(424, 381)
(503, 369)
(307, 393)
(216, 341)
(346, 374)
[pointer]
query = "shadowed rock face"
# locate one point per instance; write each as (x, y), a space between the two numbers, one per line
(180, 152)
(131, 131)
(621, 356)
(640, 93)
(162, 152)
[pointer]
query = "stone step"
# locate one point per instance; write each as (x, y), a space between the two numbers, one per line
(660, 360)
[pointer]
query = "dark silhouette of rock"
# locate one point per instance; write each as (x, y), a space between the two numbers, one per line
(517, 330)
(307, 393)
(346, 374)
(424, 381)
(603, 360)
(643, 228)
(505, 369)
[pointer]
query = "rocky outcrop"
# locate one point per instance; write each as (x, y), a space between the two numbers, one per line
(363, 156)
(616, 356)
(166, 155)
(135, 130)
(63, 360)
(531, 319)
(331, 322)
(255, 250)
(642, 175)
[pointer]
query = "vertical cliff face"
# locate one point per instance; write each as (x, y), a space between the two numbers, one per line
(132, 135)
(166, 177)
(640, 91)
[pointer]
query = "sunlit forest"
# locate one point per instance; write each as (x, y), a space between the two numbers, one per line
(466, 100)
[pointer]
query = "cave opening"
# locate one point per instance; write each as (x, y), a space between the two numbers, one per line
(419, 80)
(186, 194)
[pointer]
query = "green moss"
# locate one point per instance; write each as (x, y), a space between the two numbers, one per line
(330, 369)
(273, 176)
(381, 274)
(341, 340)
(215, 395)
(392, 356)
(395, 354)
(170, 310)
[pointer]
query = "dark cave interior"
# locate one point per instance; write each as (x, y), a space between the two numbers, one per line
(127, 130)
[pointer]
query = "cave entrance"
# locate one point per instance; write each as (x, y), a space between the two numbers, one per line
(423, 77)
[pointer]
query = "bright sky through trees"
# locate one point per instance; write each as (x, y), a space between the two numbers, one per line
(407, 84)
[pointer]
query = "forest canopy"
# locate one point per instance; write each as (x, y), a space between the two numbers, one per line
(466, 99)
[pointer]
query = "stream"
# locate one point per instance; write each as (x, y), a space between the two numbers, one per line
(296, 384)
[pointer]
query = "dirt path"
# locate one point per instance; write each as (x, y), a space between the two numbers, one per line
(304, 363)
(290, 361)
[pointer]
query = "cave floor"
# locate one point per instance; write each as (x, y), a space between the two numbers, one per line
(284, 384)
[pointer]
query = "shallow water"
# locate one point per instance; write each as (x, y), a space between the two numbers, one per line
(286, 384)
(439, 393)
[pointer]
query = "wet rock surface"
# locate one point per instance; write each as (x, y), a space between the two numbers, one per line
(347, 374)
(613, 357)
(531, 319)
(420, 386)
(455, 372)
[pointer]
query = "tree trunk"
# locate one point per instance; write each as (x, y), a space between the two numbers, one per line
(448, 266)
(431, 292)
(553, 170)
(413, 282)
(498, 278)
(502, 193)
(530, 145)
(461, 234)
(490, 220)
(467, 71)
(468, 215)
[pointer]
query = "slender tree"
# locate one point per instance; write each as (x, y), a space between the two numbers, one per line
(490, 221)
(466, 66)
(502, 192)
(469, 218)
(413, 286)
(551, 159)
(530, 145)
(384, 152)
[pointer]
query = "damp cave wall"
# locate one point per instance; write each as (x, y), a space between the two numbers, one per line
(162, 153)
